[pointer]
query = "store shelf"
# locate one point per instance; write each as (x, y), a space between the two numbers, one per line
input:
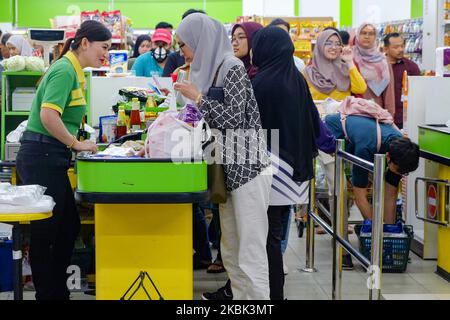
(10, 119)
(22, 73)
(17, 113)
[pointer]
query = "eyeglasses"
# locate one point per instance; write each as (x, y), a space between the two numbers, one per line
(332, 44)
(238, 39)
(367, 34)
(181, 45)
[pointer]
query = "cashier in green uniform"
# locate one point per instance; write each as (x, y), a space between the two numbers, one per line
(46, 151)
(402, 157)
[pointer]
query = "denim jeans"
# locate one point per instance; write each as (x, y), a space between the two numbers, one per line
(200, 240)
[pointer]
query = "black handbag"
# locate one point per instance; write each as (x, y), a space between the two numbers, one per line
(216, 93)
(216, 174)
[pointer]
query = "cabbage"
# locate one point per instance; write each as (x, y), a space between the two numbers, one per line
(34, 64)
(15, 63)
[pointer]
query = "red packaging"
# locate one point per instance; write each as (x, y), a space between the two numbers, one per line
(113, 21)
(90, 15)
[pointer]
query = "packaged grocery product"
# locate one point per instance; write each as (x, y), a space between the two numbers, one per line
(107, 129)
(443, 62)
(135, 118)
(190, 114)
(113, 21)
(134, 92)
(90, 15)
(118, 61)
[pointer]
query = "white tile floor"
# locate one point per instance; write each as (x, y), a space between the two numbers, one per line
(418, 282)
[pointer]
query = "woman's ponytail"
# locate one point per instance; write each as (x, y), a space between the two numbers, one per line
(66, 47)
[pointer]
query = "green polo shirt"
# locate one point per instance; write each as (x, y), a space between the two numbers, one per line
(61, 89)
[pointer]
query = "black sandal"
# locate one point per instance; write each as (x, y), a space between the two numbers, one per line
(216, 267)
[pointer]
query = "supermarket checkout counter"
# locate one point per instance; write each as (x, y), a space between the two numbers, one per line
(434, 143)
(143, 222)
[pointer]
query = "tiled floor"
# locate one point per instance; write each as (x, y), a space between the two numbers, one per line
(418, 282)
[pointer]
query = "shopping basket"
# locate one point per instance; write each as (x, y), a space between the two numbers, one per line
(395, 248)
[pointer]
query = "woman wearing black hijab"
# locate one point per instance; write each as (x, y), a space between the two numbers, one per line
(286, 105)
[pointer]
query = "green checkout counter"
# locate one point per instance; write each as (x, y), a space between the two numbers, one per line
(434, 143)
(143, 224)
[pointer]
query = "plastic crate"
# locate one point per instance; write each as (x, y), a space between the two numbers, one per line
(395, 249)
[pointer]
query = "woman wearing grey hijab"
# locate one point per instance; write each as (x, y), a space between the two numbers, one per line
(204, 43)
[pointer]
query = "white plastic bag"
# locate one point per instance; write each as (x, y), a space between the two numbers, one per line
(14, 136)
(112, 150)
(45, 204)
(20, 195)
(171, 138)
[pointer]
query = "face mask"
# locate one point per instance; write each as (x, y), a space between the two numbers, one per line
(160, 54)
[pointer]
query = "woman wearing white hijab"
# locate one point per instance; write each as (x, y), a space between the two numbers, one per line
(19, 46)
(204, 43)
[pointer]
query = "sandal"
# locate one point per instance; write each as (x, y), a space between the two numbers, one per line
(201, 265)
(216, 267)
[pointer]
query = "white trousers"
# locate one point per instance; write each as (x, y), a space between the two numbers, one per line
(244, 224)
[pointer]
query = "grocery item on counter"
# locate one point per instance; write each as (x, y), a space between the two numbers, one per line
(82, 134)
(117, 151)
(190, 114)
(121, 124)
(135, 145)
(118, 61)
(169, 137)
(148, 113)
(108, 127)
(135, 92)
(135, 118)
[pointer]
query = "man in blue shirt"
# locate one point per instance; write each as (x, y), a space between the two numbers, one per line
(152, 63)
(402, 157)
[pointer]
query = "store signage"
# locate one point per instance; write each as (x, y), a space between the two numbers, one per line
(432, 201)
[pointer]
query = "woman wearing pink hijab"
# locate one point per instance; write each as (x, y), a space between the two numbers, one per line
(374, 68)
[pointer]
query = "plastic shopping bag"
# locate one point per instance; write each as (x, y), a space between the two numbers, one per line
(169, 137)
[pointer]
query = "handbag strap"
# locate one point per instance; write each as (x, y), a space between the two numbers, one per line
(217, 74)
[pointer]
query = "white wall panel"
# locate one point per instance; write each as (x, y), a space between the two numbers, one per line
(268, 8)
(377, 11)
(322, 8)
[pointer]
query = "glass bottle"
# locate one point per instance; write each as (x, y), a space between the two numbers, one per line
(135, 117)
(82, 134)
(121, 128)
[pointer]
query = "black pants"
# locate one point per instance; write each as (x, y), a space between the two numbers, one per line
(52, 240)
(276, 215)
